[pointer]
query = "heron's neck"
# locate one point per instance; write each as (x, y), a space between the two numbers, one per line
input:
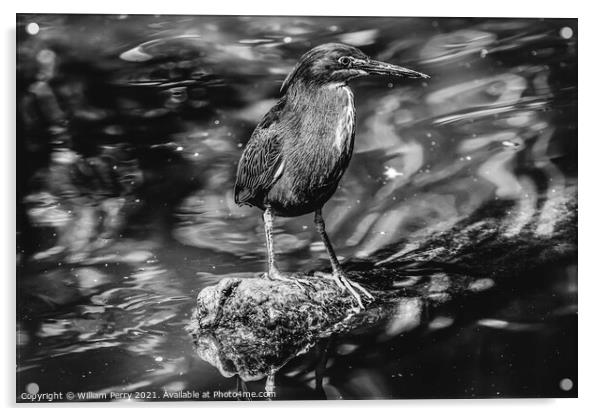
(326, 114)
(326, 97)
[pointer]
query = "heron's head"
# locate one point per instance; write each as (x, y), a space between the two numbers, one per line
(336, 63)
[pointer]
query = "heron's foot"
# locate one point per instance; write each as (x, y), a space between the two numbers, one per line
(275, 274)
(354, 289)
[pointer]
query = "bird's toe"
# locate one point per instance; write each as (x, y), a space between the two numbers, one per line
(346, 285)
(361, 289)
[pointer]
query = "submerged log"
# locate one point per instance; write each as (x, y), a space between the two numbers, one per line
(251, 326)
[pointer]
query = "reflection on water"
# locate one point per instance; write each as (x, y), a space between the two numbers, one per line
(130, 128)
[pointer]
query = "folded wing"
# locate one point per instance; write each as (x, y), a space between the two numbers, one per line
(261, 162)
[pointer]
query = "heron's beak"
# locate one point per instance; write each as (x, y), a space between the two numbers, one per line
(373, 67)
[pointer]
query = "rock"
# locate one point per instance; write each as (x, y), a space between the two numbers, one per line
(252, 326)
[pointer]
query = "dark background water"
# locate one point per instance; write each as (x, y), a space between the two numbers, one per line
(129, 129)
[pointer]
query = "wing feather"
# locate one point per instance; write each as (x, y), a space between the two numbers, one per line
(261, 162)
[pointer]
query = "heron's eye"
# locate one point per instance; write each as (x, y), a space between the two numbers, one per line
(345, 60)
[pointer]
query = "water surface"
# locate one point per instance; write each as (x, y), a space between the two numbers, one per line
(129, 131)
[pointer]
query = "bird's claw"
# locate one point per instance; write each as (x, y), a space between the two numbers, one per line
(349, 286)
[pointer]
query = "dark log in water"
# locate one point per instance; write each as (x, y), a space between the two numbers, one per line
(251, 326)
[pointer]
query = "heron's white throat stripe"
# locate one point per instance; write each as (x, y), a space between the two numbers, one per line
(345, 126)
(279, 171)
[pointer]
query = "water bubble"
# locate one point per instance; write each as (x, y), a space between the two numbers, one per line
(566, 33)
(32, 28)
(158, 359)
(287, 39)
(566, 384)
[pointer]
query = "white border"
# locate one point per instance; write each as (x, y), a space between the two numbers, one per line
(590, 290)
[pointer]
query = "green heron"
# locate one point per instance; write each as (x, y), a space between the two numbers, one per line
(300, 149)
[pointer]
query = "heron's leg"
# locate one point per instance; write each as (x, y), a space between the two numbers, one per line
(337, 270)
(273, 272)
(268, 222)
